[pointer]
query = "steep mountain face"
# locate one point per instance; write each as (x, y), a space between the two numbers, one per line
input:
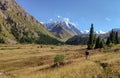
(18, 26)
(60, 32)
(66, 30)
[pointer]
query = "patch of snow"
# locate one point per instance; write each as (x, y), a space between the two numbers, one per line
(100, 32)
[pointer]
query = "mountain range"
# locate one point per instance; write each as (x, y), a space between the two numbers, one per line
(65, 29)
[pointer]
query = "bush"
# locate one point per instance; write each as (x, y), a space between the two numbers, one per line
(59, 59)
(2, 40)
(110, 44)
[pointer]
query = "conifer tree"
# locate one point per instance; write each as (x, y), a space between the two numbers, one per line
(108, 41)
(91, 41)
(102, 44)
(113, 38)
(117, 38)
(98, 41)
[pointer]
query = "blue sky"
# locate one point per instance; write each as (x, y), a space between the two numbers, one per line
(104, 14)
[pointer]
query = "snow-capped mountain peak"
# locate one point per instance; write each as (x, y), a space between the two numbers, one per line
(65, 24)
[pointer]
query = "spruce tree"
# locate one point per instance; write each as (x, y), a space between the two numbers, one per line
(108, 41)
(117, 38)
(91, 41)
(102, 44)
(113, 38)
(98, 41)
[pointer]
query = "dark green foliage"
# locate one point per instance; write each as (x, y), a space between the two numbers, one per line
(102, 44)
(2, 40)
(99, 43)
(108, 41)
(59, 58)
(26, 36)
(92, 39)
(93, 42)
(45, 39)
(113, 38)
(117, 38)
(110, 44)
(0, 29)
(22, 36)
(26, 39)
(77, 40)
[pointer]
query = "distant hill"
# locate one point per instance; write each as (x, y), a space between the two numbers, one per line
(62, 29)
(78, 39)
(17, 26)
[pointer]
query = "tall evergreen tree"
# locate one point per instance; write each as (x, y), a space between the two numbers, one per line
(108, 41)
(112, 37)
(91, 41)
(98, 41)
(117, 38)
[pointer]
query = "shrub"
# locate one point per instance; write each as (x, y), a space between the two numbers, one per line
(59, 59)
(110, 44)
(2, 40)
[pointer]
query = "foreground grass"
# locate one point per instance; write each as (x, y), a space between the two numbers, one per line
(84, 68)
(30, 61)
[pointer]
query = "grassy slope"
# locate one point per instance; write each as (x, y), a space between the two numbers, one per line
(15, 22)
(26, 61)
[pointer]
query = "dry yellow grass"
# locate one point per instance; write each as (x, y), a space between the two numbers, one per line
(26, 61)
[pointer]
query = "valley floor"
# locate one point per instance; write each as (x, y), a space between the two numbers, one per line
(34, 61)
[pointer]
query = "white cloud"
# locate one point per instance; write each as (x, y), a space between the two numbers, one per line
(58, 16)
(50, 19)
(107, 19)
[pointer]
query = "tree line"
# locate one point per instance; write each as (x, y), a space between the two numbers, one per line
(97, 42)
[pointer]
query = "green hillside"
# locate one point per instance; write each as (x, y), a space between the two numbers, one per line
(17, 26)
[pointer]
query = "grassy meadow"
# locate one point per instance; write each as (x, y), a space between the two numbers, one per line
(34, 61)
